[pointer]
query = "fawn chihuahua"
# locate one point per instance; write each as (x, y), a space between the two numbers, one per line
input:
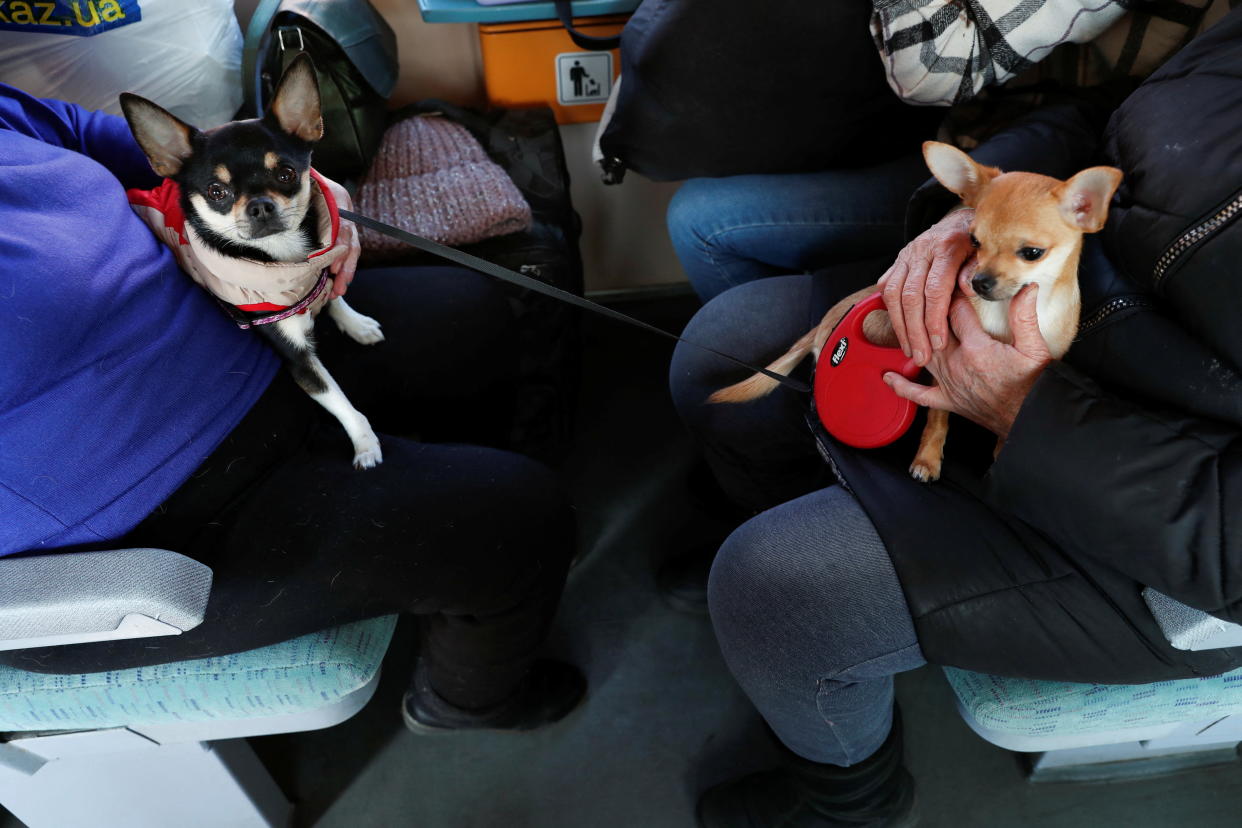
(253, 223)
(1027, 228)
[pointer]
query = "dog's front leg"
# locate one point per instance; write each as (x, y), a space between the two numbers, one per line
(292, 338)
(926, 465)
(361, 329)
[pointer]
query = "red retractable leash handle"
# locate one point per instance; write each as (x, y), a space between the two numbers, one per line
(851, 398)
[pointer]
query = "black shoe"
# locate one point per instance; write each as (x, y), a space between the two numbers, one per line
(682, 581)
(777, 798)
(550, 691)
(875, 793)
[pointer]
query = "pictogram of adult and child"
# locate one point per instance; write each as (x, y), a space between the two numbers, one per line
(585, 86)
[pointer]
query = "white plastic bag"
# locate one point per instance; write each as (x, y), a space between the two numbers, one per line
(185, 56)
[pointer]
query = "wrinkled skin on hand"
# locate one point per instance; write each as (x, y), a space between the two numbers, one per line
(920, 284)
(979, 377)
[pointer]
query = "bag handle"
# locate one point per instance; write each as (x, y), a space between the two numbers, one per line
(293, 43)
(257, 28)
(564, 10)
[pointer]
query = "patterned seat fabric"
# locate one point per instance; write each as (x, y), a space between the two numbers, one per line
(1029, 707)
(291, 677)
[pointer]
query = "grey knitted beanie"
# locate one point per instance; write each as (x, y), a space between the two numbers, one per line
(432, 178)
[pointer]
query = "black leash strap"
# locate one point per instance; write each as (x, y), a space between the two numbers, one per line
(504, 274)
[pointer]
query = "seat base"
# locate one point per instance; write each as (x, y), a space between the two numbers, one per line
(1113, 763)
(1125, 753)
(156, 776)
(190, 785)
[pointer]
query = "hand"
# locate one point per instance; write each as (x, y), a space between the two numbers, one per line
(919, 285)
(343, 269)
(979, 377)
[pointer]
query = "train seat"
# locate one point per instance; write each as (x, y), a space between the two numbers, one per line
(163, 745)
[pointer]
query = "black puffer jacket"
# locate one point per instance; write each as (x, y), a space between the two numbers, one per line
(1124, 468)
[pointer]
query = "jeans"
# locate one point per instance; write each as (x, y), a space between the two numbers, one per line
(729, 231)
(807, 608)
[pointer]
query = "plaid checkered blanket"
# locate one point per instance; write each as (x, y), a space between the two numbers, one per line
(941, 52)
(1135, 46)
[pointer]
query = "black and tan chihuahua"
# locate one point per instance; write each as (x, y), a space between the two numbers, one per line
(255, 228)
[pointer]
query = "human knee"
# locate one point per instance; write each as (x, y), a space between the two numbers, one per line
(738, 567)
(760, 632)
(695, 373)
(527, 488)
(691, 208)
(802, 570)
(518, 504)
(750, 566)
(751, 579)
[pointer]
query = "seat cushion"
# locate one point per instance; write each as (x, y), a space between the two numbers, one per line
(291, 677)
(1032, 709)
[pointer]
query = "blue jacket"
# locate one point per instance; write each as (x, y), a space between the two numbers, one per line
(118, 375)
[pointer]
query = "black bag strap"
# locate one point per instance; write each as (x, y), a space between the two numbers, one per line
(564, 11)
(252, 95)
(513, 277)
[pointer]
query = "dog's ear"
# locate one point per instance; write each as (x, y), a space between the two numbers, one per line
(1083, 199)
(957, 171)
(295, 106)
(165, 138)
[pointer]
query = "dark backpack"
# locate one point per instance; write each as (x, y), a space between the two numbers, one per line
(355, 57)
(729, 87)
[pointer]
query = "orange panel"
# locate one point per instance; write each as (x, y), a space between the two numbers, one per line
(536, 64)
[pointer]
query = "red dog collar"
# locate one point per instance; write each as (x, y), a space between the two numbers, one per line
(280, 313)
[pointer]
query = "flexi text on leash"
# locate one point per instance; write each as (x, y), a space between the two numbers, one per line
(513, 277)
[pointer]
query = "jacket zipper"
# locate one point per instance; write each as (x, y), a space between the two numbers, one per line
(1192, 237)
(1111, 307)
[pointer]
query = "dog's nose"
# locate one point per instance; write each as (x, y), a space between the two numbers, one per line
(261, 208)
(983, 283)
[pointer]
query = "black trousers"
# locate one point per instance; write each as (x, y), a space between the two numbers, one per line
(475, 541)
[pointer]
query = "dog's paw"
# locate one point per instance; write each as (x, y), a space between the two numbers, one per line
(368, 459)
(367, 453)
(362, 329)
(925, 471)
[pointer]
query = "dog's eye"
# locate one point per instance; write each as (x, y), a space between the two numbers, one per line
(217, 191)
(286, 174)
(974, 242)
(1031, 254)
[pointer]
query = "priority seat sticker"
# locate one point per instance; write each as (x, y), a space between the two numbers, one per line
(81, 18)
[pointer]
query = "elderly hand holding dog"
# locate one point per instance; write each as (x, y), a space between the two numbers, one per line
(918, 286)
(978, 377)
